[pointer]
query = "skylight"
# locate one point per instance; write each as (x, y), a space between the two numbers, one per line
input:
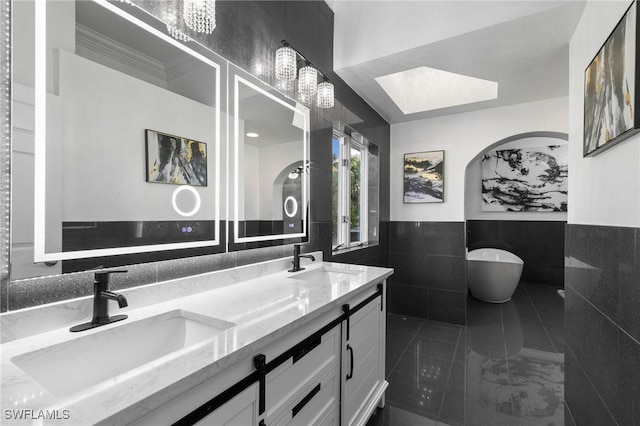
(425, 89)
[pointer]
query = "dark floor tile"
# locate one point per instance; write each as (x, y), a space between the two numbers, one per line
(433, 330)
(483, 317)
(487, 346)
(403, 324)
(417, 396)
(392, 356)
(554, 316)
(437, 348)
(537, 389)
(543, 295)
(391, 415)
(399, 340)
(535, 336)
(457, 375)
(556, 333)
(452, 410)
(424, 367)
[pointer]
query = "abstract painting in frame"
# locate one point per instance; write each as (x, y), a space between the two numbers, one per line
(424, 177)
(525, 179)
(175, 160)
(611, 88)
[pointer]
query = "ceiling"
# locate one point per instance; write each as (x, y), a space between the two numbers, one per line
(521, 45)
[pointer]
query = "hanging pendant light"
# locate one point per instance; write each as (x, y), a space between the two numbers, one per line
(286, 63)
(325, 95)
(305, 99)
(200, 15)
(308, 80)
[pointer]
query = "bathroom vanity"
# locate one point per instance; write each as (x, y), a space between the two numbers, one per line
(263, 346)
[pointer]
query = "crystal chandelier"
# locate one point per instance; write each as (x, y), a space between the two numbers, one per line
(308, 92)
(308, 80)
(325, 95)
(200, 15)
(286, 63)
(170, 18)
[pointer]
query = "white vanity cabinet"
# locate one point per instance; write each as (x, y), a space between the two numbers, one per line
(329, 371)
(363, 378)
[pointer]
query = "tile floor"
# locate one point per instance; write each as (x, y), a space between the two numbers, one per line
(505, 368)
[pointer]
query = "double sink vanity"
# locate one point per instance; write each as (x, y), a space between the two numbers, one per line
(102, 94)
(260, 346)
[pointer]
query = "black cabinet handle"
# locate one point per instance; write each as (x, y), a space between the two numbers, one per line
(300, 405)
(260, 362)
(350, 349)
(307, 349)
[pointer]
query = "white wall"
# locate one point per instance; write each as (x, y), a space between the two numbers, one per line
(462, 137)
(473, 187)
(605, 189)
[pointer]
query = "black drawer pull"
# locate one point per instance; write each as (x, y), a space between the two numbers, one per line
(300, 405)
(304, 351)
(350, 349)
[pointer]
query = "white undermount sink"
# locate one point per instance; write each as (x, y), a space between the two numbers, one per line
(78, 364)
(326, 275)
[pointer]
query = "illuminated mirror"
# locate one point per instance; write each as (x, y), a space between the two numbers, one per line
(270, 135)
(116, 136)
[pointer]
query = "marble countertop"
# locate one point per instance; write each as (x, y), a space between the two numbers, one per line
(263, 310)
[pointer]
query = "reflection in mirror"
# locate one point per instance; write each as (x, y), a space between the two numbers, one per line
(117, 131)
(271, 179)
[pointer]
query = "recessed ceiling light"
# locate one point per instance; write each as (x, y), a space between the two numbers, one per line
(425, 89)
(252, 135)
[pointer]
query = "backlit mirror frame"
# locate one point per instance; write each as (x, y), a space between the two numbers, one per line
(241, 77)
(128, 12)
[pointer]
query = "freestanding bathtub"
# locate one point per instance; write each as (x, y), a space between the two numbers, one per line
(493, 274)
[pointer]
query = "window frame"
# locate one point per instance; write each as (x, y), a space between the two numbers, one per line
(347, 143)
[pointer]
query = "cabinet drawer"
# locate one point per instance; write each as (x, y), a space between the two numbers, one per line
(317, 405)
(241, 410)
(287, 382)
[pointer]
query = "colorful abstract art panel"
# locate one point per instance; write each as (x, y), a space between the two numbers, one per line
(175, 160)
(610, 89)
(525, 179)
(424, 177)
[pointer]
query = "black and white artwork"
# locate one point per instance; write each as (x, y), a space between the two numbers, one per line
(609, 89)
(525, 179)
(176, 160)
(424, 177)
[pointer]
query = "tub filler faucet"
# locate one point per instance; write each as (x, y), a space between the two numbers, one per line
(101, 297)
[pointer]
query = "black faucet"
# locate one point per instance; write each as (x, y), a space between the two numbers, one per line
(101, 297)
(296, 259)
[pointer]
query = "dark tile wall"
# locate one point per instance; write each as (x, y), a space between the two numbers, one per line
(539, 243)
(248, 34)
(430, 270)
(602, 283)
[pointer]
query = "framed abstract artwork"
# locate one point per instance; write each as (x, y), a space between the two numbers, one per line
(175, 160)
(525, 179)
(611, 88)
(424, 177)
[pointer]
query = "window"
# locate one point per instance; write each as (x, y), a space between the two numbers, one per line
(354, 191)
